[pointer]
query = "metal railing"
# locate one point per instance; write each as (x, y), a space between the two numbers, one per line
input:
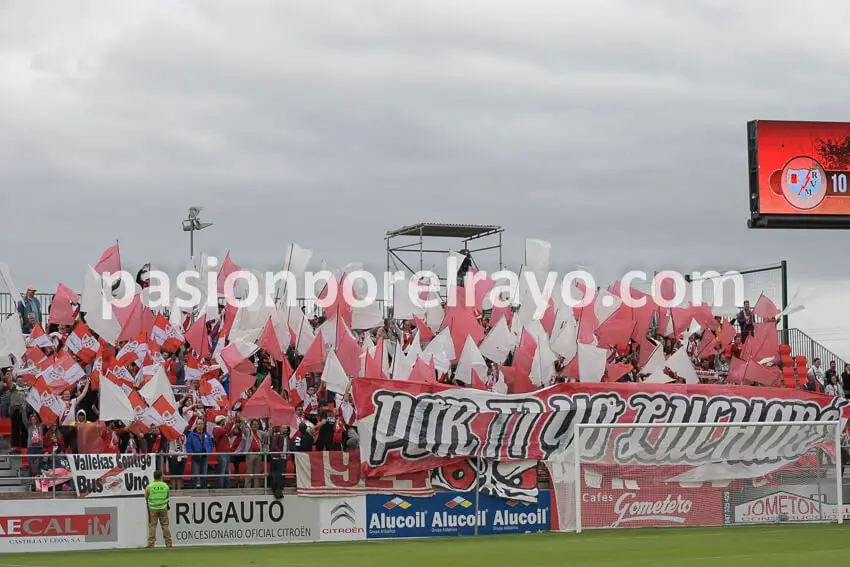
(804, 345)
(58, 482)
(8, 305)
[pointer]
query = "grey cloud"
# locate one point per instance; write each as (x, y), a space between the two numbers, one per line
(614, 129)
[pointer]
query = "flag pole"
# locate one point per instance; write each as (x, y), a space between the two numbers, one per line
(288, 264)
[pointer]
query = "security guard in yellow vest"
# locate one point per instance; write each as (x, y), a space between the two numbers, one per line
(156, 495)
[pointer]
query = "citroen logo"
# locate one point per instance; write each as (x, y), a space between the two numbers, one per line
(342, 511)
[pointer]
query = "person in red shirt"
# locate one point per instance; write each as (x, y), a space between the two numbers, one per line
(223, 430)
(734, 349)
(53, 440)
(256, 444)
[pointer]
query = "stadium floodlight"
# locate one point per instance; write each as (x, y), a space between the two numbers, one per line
(193, 223)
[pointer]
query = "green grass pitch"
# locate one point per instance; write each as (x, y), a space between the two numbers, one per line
(751, 546)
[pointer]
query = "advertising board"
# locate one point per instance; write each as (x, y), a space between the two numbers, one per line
(69, 525)
(450, 514)
(243, 520)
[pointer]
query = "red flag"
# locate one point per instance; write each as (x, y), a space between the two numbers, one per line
(228, 320)
(198, 337)
(347, 350)
(643, 320)
(462, 322)
(524, 354)
(61, 310)
(266, 403)
(571, 369)
(375, 364)
(499, 312)
(755, 373)
(236, 361)
(314, 358)
(667, 289)
(240, 382)
(425, 332)
(548, 319)
(707, 345)
(339, 308)
(765, 308)
(477, 382)
(587, 323)
(227, 268)
(703, 315)
(269, 343)
(682, 317)
(727, 335)
(614, 372)
(482, 287)
(132, 319)
(737, 371)
(110, 261)
(518, 382)
(423, 372)
(663, 321)
(617, 329)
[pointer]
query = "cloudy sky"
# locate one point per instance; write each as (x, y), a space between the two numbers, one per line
(614, 129)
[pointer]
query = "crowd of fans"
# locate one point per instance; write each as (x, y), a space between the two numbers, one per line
(221, 449)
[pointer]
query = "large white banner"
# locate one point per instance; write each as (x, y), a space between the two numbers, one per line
(101, 475)
(243, 520)
(66, 525)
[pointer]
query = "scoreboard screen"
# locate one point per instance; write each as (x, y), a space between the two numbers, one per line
(799, 174)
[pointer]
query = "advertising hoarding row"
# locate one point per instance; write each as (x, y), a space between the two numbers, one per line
(121, 523)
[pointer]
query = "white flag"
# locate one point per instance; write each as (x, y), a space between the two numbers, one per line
(591, 363)
(114, 403)
(498, 343)
(334, 376)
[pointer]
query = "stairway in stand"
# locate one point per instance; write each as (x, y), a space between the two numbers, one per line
(9, 465)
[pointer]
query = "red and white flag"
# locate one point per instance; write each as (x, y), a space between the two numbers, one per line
(38, 338)
(45, 402)
(82, 344)
(169, 337)
(171, 423)
(63, 373)
(134, 352)
(213, 394)
(121, 377)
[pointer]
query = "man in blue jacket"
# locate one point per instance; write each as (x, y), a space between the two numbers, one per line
(30, 310)
(199, 445)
